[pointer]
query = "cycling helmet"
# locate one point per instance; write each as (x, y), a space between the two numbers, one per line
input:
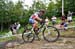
(42, 10)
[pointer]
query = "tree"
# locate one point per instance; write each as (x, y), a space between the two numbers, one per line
(38, 5)
(2, 13)
(51, 9)
(69, 5)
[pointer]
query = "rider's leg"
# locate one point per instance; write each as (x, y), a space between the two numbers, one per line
(35, 25)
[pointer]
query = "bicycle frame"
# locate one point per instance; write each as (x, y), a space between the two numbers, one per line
(41, 28)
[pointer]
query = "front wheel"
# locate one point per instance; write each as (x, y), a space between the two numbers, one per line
(51, 34)
(28, 36)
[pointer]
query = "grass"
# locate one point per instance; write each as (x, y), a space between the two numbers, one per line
(7, 39)
(68, 33)
(3, 32)
(21, 30)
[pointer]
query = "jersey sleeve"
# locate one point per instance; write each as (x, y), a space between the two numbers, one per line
(36, 16)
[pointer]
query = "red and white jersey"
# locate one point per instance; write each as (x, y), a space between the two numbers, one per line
(34, 16)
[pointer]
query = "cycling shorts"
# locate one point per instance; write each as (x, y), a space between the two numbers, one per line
(31, 21)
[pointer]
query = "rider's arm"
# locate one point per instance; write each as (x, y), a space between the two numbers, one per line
(39, 19)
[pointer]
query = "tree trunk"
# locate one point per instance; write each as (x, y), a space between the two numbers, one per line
(1, 27)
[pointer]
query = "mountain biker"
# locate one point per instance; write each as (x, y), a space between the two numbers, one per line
(35, 18)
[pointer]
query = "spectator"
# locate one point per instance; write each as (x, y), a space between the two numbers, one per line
(64, 18)
(18, 25)
(69, 16)
(63, 24)
(46, 21)
(13, 28)
(53, 20)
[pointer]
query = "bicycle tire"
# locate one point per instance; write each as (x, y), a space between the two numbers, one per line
(28, 36)
(48, 39)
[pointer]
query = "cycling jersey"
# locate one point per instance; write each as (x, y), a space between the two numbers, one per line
(33, 18)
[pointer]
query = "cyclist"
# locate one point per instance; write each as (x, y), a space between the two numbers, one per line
(35, 18)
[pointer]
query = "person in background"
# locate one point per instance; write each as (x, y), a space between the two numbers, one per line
(63, 18)
(47, 21)
(18, 26)
(63, 24)
(53, 20)
(13, 28)
(69, 16)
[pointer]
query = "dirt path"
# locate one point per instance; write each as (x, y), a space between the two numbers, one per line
(62, 43)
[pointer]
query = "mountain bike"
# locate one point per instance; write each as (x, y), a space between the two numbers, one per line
(49, 33)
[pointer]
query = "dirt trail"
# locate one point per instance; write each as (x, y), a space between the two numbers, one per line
(62, 43)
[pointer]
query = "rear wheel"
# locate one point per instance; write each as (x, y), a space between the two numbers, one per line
(28, 36)
(51, 34)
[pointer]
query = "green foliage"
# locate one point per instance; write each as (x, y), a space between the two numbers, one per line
(10, 12)
(69, 5)
(7, 39)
